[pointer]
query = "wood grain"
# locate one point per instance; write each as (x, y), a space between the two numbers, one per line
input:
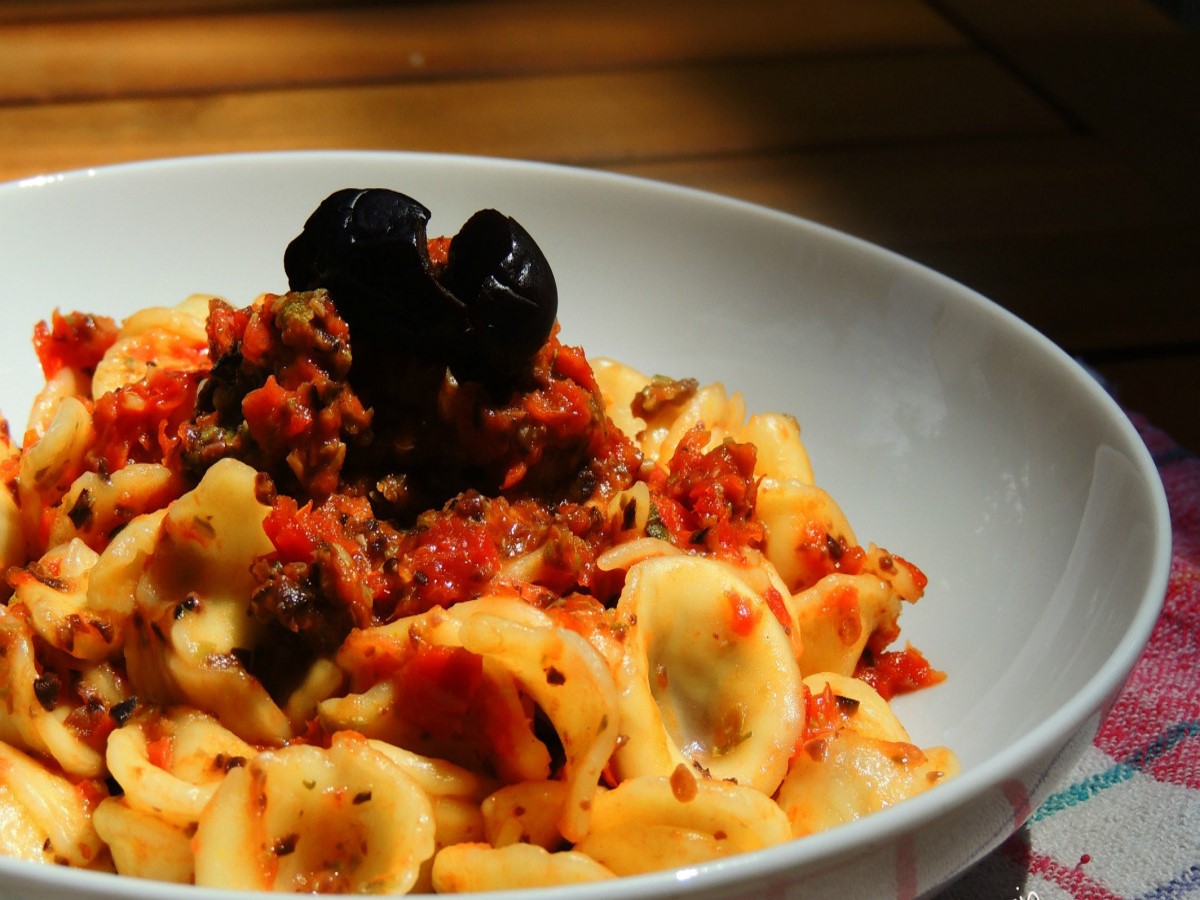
(47, 61)
(599, 118)
(1125, 73)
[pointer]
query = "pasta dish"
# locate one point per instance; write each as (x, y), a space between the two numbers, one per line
(377, 586)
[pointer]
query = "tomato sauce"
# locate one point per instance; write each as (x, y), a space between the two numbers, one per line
(76, 341)
(743, 617)
(898, 672)
(437, 687)
(140, 422)
(704, 499)
(824, 715)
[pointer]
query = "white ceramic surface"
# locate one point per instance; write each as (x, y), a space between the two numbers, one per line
(950, 432)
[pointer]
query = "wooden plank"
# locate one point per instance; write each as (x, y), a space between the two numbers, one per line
(67, 10)
(960, 190)
(591, 119)
(1141, 97)
(1122, 71)
(1086, 291)
(1127, 77)
(1058, 21)
(401, 42)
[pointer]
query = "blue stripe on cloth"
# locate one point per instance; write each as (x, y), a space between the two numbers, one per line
(1176, 887)
(1123, 770)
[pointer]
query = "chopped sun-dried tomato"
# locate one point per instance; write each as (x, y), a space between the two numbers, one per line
(824, 554)
(140, 422)
(160, 752)
(453, 559)
(436, 687)
(743, 617)
(705, 499)
(823, 715)
(91, 722)
(898, 672)
(76, 340)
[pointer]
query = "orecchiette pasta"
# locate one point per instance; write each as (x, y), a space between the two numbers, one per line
(289, 608)
(191, 618)
(709, 677)
(35, 716)
(303, 818)
(169, 767)
(44, 816)
(863, 763)
(12, 532)
(143, 844)
(481, 867)
(50, 465)
(668, 821)
(838, 615)
(157, 337)
(525, 813)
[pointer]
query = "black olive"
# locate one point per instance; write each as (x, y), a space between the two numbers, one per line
(369, 250)
(498, 271)
(492, 309)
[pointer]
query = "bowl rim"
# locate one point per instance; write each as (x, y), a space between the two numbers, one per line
(992, 772)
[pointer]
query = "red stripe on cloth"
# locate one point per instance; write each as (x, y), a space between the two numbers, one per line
(1181, 480)
(1162, 689)
(1181, 767)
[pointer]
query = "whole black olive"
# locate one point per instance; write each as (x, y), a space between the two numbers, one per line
(369, 250)
(490, 311)
(498, 271)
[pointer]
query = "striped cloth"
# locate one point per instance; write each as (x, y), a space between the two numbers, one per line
(1126, 824)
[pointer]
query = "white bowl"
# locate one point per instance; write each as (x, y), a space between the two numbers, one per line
(950, 432)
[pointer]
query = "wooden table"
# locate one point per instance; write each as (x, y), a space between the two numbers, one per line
(1043, 152)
